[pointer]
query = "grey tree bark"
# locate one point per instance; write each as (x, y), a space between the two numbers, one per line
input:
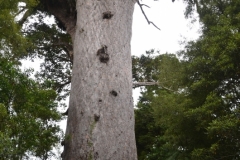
(100, 121)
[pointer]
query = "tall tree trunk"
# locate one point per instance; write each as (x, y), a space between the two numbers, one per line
(101, 118)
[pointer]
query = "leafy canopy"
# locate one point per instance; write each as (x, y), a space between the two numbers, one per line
(201, 120)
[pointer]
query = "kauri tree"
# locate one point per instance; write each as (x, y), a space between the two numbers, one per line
(100, 117)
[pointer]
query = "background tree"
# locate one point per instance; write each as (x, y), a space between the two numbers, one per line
(213, 80)
(28, 110)
(28, 115)
(11, 37)
(158, 104)
(52, 45)
(202, 121)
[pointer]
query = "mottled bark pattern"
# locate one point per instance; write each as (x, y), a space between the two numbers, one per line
(100, 118)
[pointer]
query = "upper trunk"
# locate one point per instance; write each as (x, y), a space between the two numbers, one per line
(101, 118)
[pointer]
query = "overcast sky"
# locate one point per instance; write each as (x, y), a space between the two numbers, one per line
(169, 17)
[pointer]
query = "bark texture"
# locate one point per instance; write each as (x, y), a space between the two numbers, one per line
(101, 117)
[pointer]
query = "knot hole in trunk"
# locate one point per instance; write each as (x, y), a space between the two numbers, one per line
(107, 15)
(114, 93)
(103, 55)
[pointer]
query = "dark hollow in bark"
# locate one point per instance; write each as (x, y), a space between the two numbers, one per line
(96, 156)
(114, 93)
(103, 55)
(107, 15)
(96, 117)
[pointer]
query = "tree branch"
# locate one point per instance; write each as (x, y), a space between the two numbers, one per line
(60, 86)
(139, 84)
(149, 22)
(25, 16)
(20, 11)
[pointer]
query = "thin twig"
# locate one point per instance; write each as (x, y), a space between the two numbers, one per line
(149, 22)
(139, 84)
(20, 11)
(145, 5)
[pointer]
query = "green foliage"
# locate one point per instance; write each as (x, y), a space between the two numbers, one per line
(28, 114)
(145, 129)
(200, 120)
(55, 48)
(29, 108)
(11, 40)
(157, 107)
(164, 69)
(213, 76)
(27, 34)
